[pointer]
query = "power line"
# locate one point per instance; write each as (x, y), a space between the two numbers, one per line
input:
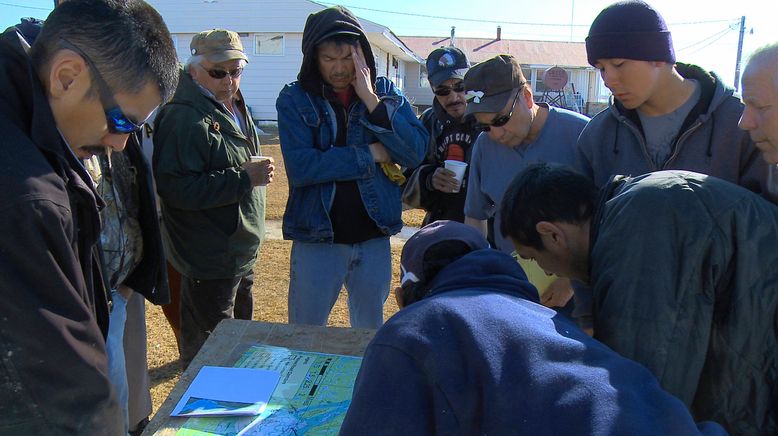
(709, 43)
(707, 38)
(25, 7)
(473, 20)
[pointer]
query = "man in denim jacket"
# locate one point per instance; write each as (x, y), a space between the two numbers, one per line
(342, 132)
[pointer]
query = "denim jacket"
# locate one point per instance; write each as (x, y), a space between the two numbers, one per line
(307, 128)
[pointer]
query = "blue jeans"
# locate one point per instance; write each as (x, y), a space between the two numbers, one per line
(319, 270)
(114, 344)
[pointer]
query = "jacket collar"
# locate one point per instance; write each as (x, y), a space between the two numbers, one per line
(712, 93)
(488, 270)
(27, 106)
(192, 94)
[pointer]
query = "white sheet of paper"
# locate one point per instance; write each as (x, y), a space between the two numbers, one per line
(215, 386)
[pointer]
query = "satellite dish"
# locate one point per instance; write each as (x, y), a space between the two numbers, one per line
(555, 78)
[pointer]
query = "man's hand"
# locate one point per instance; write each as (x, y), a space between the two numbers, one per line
(379, 153)
(557, 294)
(261, 172)
(363, 83)
(443, 180)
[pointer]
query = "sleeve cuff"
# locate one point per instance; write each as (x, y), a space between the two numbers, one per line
(380, 116)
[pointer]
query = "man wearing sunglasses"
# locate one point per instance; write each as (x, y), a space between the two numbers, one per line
(61, 106)
(212, 193)
(517, 132)
(431, 186)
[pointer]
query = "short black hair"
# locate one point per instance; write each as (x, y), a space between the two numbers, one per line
(544, 192)
(126, 39)
(436, 257)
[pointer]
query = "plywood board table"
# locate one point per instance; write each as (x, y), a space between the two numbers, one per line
(232, 337)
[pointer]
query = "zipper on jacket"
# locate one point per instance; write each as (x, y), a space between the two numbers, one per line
(641, 141)
(679, 142)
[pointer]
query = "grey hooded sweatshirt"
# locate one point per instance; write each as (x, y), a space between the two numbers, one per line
(709, 142)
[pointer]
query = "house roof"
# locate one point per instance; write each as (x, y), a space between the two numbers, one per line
(545, 53)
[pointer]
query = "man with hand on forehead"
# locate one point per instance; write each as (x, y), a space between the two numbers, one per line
(212, 193)
(342, 131)
(518, 132)
(431, 186)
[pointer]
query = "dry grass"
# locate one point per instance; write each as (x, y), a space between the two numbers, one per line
(270, 287)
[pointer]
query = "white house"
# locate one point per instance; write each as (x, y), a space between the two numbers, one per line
(535, 58)
(271, 31)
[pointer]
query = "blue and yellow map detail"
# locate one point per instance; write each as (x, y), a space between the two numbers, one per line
(311, 398)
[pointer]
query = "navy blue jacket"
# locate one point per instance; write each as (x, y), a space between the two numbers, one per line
(479, 355)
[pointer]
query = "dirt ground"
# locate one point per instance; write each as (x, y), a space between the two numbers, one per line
(270, 286)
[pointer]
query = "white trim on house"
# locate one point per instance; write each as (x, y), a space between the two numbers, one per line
(258, 46)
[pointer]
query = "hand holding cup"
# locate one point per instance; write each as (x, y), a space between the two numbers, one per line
(458, 168)
(260, 170)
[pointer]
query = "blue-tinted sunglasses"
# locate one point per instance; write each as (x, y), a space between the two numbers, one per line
(117, 121)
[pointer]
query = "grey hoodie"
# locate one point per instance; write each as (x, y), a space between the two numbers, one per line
(710, 141)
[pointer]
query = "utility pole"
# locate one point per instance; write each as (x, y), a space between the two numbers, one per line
(739, 51)
(572, 17)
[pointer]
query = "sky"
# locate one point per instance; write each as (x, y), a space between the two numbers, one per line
(705, 32)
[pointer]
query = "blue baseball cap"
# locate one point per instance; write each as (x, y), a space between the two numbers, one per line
(446, 63)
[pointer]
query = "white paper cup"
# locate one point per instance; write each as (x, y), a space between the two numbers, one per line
(259, 158)
(458, 168)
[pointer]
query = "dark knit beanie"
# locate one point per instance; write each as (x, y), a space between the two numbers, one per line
(629, 30)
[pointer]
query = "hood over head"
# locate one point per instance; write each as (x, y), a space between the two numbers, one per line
(321, 25)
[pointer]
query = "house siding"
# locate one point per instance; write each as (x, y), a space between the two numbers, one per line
(265, 75)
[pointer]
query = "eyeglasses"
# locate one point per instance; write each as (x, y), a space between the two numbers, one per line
(502, 119)
(218, 73)
(118, 122)
(446, 90)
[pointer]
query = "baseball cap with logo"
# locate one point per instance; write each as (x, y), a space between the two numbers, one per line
(218, 45)
(490, 84)
(446, 63)
(415, 252)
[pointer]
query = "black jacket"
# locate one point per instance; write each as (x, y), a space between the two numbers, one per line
(53, 364)
(684, 279)
(441, 205)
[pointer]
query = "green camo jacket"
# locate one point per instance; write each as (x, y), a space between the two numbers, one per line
(213, 220)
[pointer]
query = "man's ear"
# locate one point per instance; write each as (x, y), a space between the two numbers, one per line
(67, 73)
(549, 232)
(528, 99)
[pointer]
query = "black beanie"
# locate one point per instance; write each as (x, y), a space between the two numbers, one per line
(629, 30)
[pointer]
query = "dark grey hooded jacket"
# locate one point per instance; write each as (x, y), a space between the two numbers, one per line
(710, 141)
(692, 292)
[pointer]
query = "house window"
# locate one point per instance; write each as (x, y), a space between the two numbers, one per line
(423, 79)
(269, 44)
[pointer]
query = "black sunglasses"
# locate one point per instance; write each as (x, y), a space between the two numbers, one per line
(117, 121)
(218, 73)
(502, 119)
(446, 90)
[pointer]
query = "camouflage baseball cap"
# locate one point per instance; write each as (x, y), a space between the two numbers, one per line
(218, 45)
